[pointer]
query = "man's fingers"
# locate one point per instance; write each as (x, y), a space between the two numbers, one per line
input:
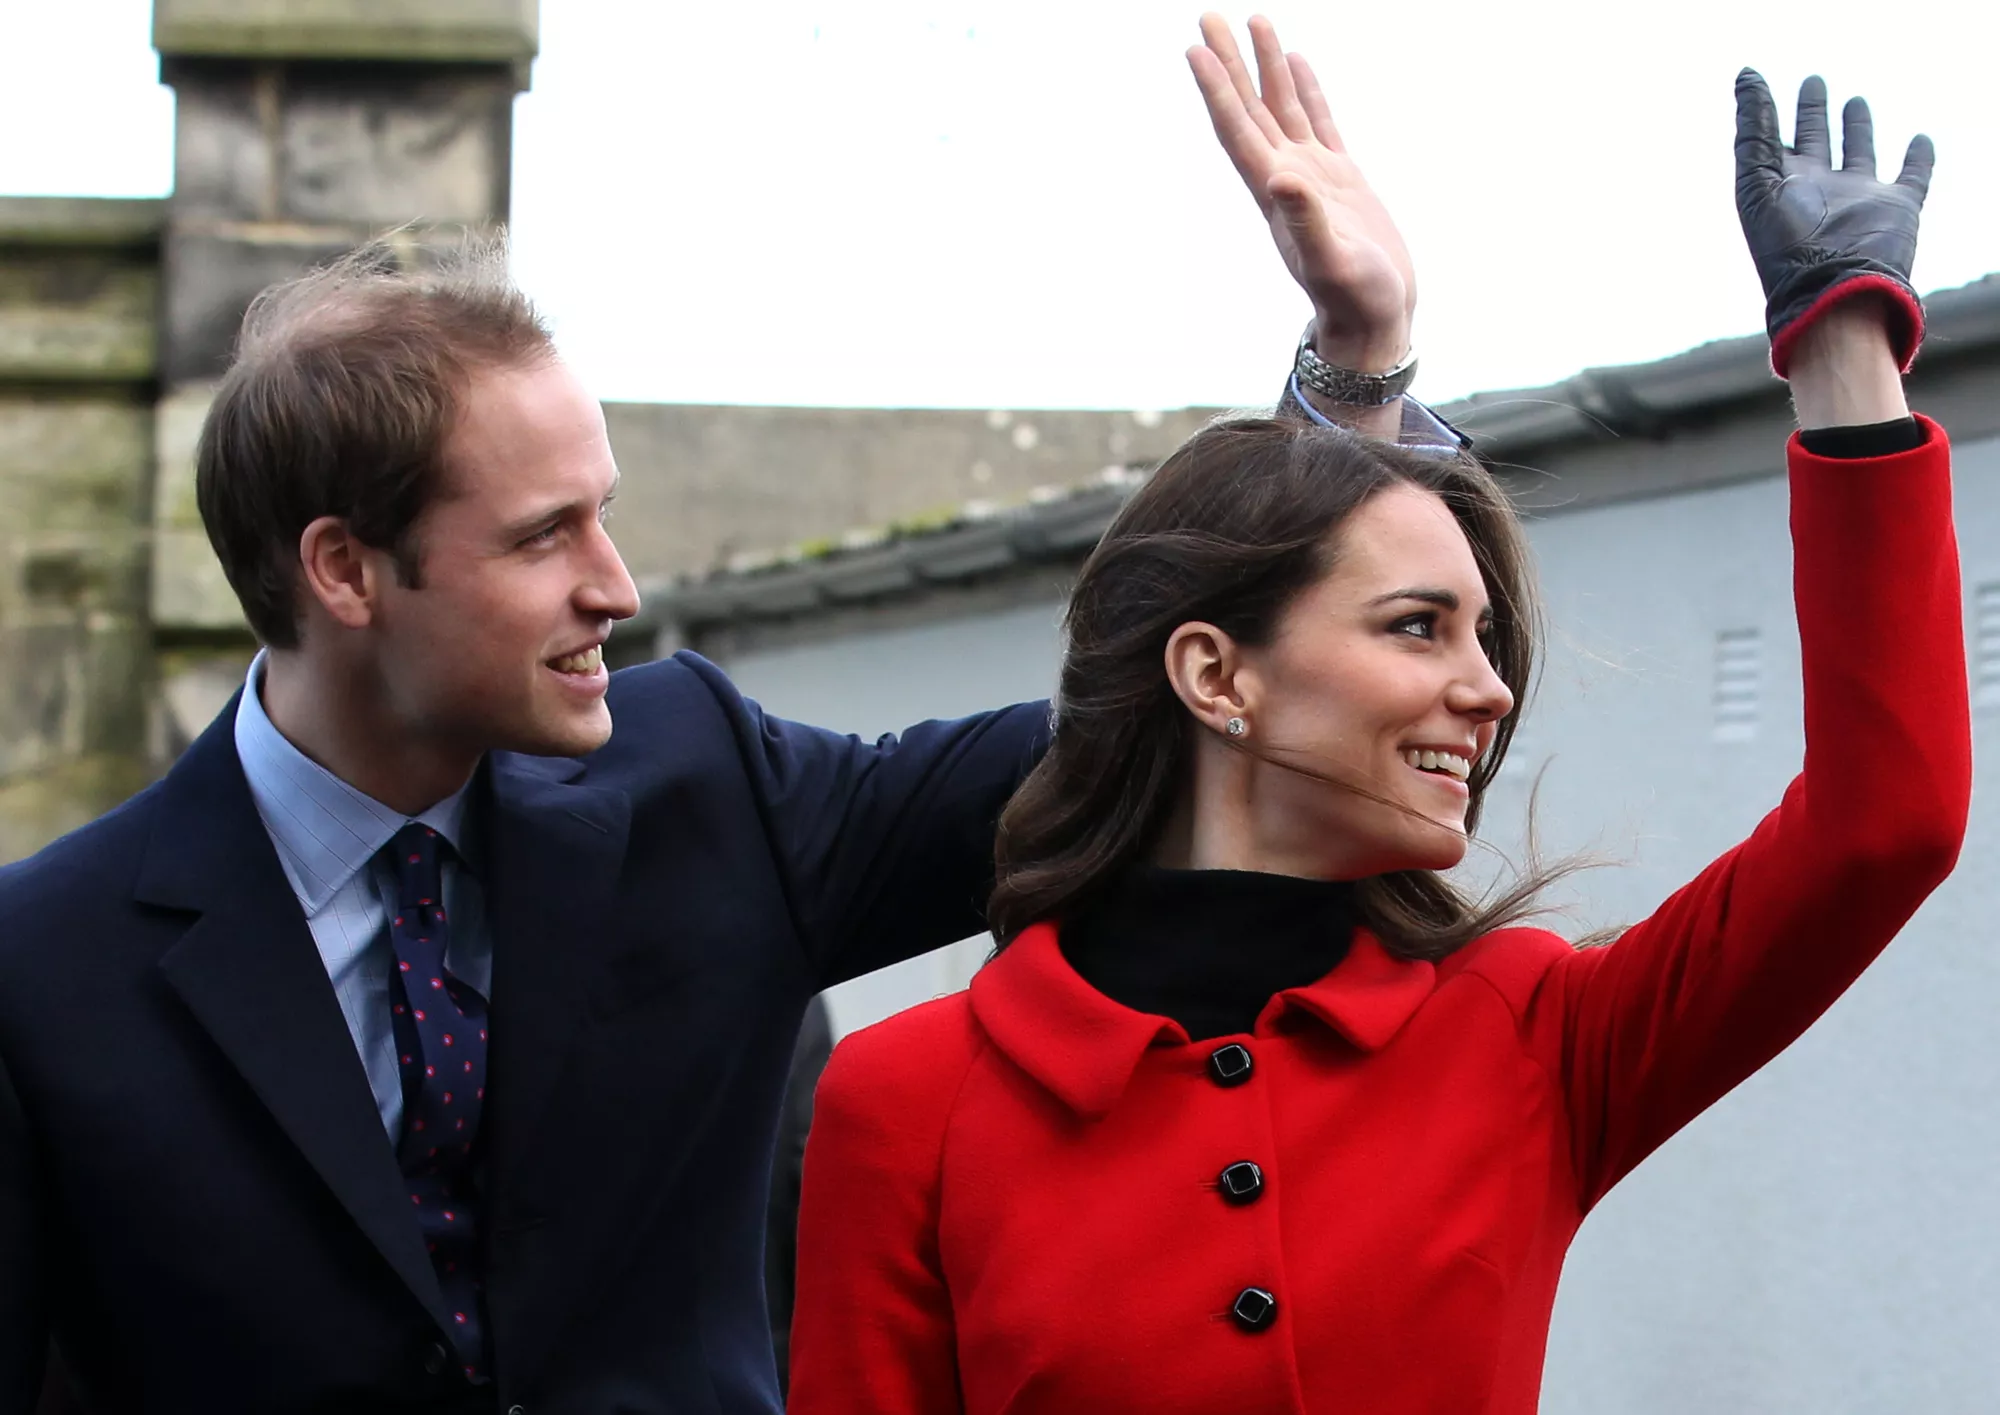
(1248, 148)
(1313, 100)
(1275, 75)
(1812, 138)
(1917, 163)
(1221, 43)
(1758, 146)
(1857, 138)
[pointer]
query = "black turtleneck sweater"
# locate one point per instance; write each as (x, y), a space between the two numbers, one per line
(1208, 948)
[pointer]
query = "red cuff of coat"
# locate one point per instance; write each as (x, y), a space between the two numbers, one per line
(1906, 320)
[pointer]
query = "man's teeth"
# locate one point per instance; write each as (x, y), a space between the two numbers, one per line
(1450, 763)
(586, 662)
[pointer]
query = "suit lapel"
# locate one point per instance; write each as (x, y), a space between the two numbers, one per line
(554, 851)
(248, 970)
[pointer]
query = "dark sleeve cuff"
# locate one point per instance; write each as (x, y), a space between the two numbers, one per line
(1865, 440)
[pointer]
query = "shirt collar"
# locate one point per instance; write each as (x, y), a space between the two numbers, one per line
(326, 831)
(1083, 1047)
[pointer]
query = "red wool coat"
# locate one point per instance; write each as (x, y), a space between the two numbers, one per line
(1013, 1198)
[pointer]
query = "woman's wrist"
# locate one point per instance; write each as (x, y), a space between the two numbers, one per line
(1844, 371)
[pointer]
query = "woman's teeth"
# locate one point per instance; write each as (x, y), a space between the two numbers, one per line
(586, 662)
(1450, 763)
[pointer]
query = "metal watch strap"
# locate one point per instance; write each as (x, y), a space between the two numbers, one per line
(1346, 385)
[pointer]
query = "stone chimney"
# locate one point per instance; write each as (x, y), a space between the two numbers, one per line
(303, 128)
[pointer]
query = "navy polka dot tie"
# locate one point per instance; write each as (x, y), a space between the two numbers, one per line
(440, 1028)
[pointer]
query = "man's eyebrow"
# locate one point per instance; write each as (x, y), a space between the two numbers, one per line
(1425, 594)
(549, 515)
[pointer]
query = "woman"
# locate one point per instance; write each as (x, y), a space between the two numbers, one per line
(1252, 1112)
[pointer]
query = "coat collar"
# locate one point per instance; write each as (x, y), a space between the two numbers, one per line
(247, 969)
(1083, 1047)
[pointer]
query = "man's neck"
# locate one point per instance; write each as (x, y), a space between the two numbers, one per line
(339, 719)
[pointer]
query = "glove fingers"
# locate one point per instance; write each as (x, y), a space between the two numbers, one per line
(1917, 165)
(1758, 146)
(1857, 138)
(1811, 138)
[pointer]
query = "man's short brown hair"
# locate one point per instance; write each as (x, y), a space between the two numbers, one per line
(345, 384)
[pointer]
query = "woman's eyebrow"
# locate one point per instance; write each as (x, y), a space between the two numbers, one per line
(1444, 599)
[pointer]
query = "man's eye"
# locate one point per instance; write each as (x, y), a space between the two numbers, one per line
(542, 537)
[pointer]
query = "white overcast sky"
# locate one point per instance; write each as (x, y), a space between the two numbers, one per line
(1018, 203)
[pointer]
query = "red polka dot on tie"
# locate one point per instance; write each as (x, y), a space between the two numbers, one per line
(400, 1009)
(450, 1217)
(416, 859)
(430, 1071)
(447, 1035)
(458, 1317)
(416, 1125)
(468, 1068)
(402, 967)
(416, 1198)
(399, 921)
(437, 982)
(447, 1097)
(482, 1034)
(458, 1125)
(408, 1059)
(420, 1014)
(482, 1093)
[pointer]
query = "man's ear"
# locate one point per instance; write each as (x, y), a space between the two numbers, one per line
(1204, 665)
(341, 573)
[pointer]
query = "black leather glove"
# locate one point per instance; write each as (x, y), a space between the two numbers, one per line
(1820, 236)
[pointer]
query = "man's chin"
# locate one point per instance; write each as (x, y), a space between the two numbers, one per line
(577, 736)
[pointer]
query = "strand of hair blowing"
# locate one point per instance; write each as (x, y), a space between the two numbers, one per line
(1229, 530)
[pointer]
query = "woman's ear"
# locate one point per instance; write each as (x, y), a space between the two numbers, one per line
(339, 572)
(1204, 665)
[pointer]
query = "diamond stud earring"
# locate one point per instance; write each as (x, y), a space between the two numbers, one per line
(1236, 726)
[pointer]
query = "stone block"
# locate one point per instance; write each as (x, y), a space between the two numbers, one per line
(74, 462)
(225, 151)
(366, 144)
(388, 145)
(68, 314)
(36, 807)
(177, 420)
(463, 30)
(81, 221)
(211, 279)
(190, 591)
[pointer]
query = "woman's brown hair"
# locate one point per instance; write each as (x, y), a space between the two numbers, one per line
(1233, 526)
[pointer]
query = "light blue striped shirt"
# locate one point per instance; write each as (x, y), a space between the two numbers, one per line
(329, 838)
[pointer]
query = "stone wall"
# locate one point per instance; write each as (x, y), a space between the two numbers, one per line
(79, 291)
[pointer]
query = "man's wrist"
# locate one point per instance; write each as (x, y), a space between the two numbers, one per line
(1364, 351)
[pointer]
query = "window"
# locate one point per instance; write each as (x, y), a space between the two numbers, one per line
(1739, 684)
(1986, 646)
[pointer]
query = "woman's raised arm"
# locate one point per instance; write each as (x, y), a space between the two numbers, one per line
(1734, 966)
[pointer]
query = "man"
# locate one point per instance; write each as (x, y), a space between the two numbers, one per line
(418, 1042)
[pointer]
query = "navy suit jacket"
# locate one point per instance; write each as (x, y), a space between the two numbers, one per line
(196, 1193)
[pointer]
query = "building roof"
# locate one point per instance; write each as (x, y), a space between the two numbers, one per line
(1648, 401)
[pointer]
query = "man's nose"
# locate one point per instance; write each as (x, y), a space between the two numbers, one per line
(608, 590)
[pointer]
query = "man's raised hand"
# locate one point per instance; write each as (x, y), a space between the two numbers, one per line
(1334, 234)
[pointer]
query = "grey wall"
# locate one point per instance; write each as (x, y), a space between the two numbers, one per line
(1827, 1239)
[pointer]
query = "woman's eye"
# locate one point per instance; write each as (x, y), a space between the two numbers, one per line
(1417, 626)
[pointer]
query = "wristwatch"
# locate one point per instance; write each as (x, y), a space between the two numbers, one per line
(1345, 385)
